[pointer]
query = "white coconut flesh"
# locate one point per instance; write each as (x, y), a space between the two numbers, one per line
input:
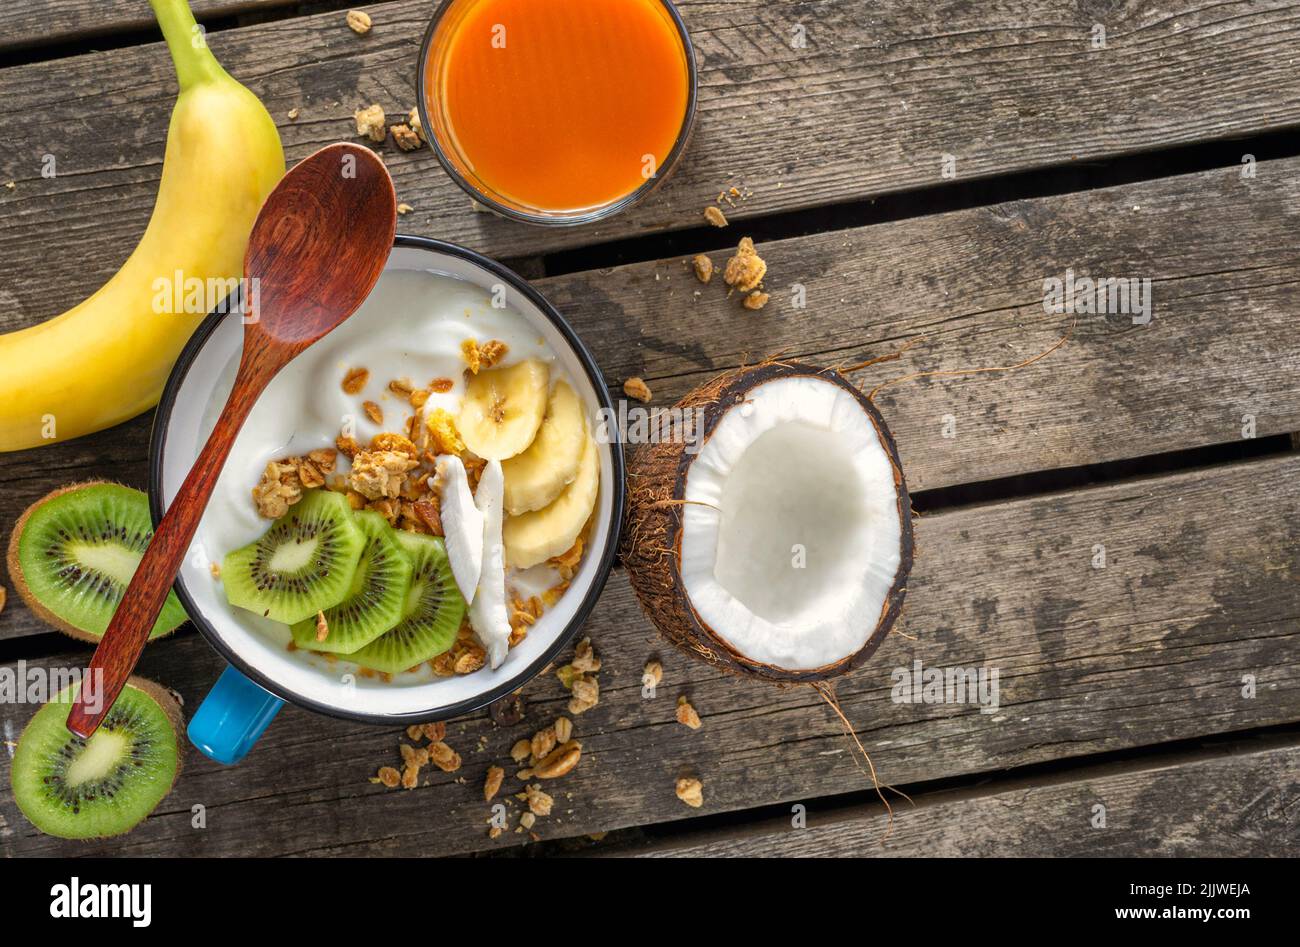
(487, 610)
(462, 523)
(791, 532)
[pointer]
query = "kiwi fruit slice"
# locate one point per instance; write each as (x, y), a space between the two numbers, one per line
(302, 565)
(107, 785)
(374, 601)
(432, 610)
(73, 553)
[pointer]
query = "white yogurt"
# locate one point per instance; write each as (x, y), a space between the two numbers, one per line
(411, 326)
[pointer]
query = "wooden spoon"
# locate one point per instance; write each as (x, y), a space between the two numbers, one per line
(316, 250)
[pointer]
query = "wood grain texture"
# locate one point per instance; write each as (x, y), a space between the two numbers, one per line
(1199, 590)
(871, 105)
(48, 22)
(1242, 805)
(1221, 345)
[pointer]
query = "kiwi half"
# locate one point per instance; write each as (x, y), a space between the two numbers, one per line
(74, 788)
(304, 563)
(374, 601)
(73, 553)
(431, 613)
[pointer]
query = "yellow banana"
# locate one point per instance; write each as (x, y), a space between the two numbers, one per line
(107, 359)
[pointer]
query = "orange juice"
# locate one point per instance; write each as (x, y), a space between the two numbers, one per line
(557, 106)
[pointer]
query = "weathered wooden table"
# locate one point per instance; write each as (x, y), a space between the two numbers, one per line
(1115, 528)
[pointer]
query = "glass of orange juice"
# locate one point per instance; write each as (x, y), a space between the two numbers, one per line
(557, 112)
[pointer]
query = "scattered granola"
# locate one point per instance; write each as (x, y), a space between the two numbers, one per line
(470, 660)
(441, 385)
(389, 776)
(715, 216)
(444, 757)
(293, 114)
(584, 657)
(566, 563)
(521, 750)
(653, 674)
(479, 357)
(413, 119)
(355, 380)
(441, 426)
(691, 792)
(427, 513)
(745, 270)
(213, 567)
(638, 389)
(414, 756)
(527, 819)
(370, 123)
(492, 785)
(279, 488)
(586, 694)
(563, 727)
(539, 803)
(543, 742)
(404, 208)
(703, 267)
(405, 137)
(686, 714)
(755, 300)
(373, 411)
(347, 446)
(379, 474)
(359, 22)
(5, 595)
(559, 761)
(322, 627)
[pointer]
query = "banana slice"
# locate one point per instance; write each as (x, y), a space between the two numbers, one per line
(538, 475)
(503, 408)
(534, 537)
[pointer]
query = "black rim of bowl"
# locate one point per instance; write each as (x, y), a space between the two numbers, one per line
(609, 210)
(158, 445)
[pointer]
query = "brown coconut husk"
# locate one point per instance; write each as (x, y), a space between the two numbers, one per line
(651, 548)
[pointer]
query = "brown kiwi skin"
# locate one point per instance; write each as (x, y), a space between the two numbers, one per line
(172, 708)
(16, 570)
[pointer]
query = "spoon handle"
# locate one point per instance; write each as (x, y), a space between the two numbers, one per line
(119, 650)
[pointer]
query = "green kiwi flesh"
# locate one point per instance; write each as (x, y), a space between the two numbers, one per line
(73, 553)
(73, 788)
(302, 565)
(431, 613)
(373, 603)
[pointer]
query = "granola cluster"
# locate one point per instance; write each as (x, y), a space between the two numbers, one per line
(416, 757)
(465, 656)
(283, 481)
(743, 273)
(480, 357)
(579, 678)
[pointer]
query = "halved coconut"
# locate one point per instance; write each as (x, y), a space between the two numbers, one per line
(781, 545)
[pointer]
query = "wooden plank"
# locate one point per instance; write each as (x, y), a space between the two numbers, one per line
(47, 22)
(1199, 590)
(1219, 252)
(871, 105)
(1239, 805)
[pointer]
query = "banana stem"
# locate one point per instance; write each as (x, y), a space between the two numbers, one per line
(193, 60)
